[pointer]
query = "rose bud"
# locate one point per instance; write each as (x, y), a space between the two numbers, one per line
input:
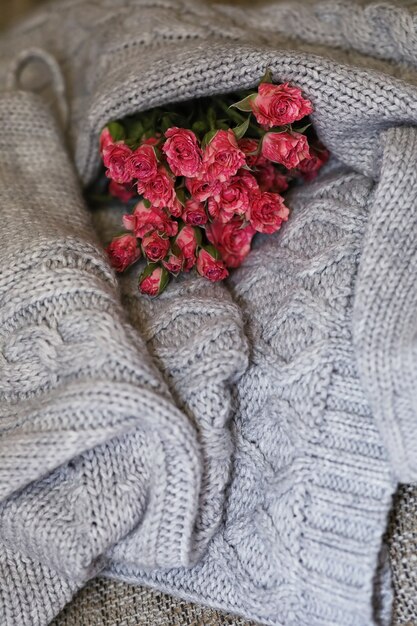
(182, 151)
(105, 139)
(115, 158)
(153, 280)
(152, 141)
(174, 262)
(233, 240)
(122, 192)
(144, 220)
(174, 206)
(194, 213)
(213, 208)
(289, 149)
(123, 251)
(210, 265)
(222, 157)
(277, 105)
(234, 197)
(267, 212)
(187, 241)
(250, 149)
(159, 189)
(310, 167)
(143, 164)
(270, 179)
(202, 188)
(155, 247)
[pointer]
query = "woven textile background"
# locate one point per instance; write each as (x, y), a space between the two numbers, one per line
(108, 603)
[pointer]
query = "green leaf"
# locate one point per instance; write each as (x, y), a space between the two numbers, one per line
(166, 123)
(241, 130)
(301, 130)
(164, 280)
(208, 137)
(199, 127)
(146, 203)
(180, 192)
(134, 130)
(175, 249)
(198, 235)
(244, 105)
(212, 251)
(116, 131)
(148, 271)
(267, 77)
(212, 119)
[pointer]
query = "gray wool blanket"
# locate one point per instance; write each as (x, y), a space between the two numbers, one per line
(233, 444)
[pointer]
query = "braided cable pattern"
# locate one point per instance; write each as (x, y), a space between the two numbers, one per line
(290, 542)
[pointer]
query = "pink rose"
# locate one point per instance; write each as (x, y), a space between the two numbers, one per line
(310, 166)
(268, 212)
(249, 147)
(187, 242)
(222, 157)
(209, 266)
(122, 192)
(234, 197)
(277, 105)
(123, 251)
(116, 158)
(289, 149)
(105, 139)
(174, 206)
(265, 176)
(144, 220)
(233, 240)
(153, 280)
(174, 262)
(280, 183)
(143, 164)
(270, 179)
(159, 190)
(155, 247)
(202, 188)
(194, 213)
(182, 151)
(152, 141)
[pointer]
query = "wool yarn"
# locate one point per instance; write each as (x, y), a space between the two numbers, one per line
(236, 445)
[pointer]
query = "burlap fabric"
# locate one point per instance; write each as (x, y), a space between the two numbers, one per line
(105, 602)
(402, 542)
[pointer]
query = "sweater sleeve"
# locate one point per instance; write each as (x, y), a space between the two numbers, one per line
(385, 312)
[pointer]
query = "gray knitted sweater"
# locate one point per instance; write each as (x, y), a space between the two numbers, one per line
(236, 444)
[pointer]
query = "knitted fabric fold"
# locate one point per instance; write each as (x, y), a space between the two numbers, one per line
(92, 444)
(234, 444)
(311, 483)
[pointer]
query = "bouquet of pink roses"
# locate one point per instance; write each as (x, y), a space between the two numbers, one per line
(201, 178)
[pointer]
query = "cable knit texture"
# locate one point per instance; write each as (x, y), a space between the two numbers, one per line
(234, 444)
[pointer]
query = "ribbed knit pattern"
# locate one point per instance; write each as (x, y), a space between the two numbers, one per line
(235, 444)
